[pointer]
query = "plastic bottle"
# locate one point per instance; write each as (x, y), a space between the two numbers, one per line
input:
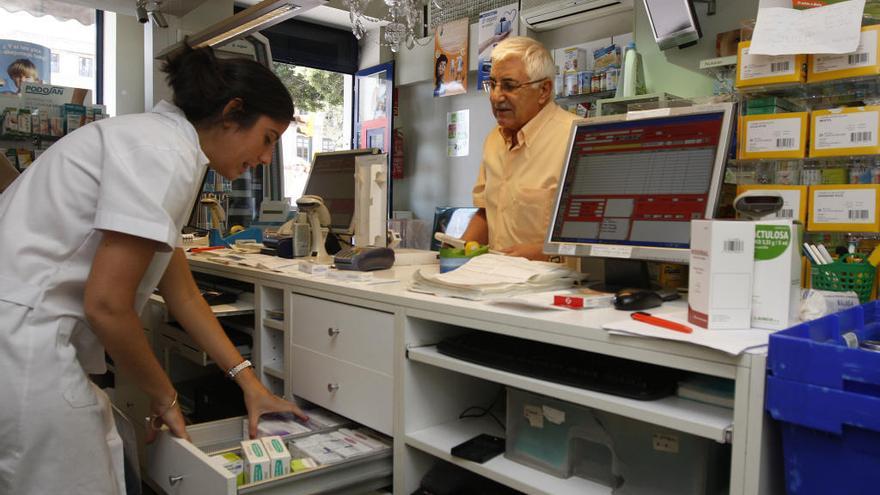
(631, 81)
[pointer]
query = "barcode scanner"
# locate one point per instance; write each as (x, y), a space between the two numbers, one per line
(755, 204)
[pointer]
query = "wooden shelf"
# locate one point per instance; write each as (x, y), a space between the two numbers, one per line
(439, 440)
(688, 416)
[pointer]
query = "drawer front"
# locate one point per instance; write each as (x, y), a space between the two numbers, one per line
(357, 335)
(179, 342)
(354, 392)
(179, 467)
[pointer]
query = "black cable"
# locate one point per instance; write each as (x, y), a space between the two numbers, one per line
(483, 411)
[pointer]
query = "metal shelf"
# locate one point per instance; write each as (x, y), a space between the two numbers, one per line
(578, 98)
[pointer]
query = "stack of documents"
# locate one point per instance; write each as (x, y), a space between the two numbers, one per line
(492, 275)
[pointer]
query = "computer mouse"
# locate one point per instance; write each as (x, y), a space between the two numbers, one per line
(636, 299)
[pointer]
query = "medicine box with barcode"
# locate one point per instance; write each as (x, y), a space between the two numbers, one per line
(845, 131)
(782, 135)
(844, 208)
(758, 70)
(720, 274)
(862, 62)
(794, 200)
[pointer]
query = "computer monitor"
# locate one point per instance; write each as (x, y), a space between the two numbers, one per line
(632, 183)
(673, 22)
(333, 179)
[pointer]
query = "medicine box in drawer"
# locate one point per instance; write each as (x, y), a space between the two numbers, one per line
(630, 456)
(179, 467)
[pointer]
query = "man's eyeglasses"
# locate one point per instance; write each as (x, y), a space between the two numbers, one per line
(507, 85)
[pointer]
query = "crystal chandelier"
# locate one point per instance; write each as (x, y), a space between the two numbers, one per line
(402, 21)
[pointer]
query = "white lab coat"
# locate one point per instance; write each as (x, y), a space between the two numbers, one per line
(136, 174)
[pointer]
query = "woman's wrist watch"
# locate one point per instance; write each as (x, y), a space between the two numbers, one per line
(238, 368)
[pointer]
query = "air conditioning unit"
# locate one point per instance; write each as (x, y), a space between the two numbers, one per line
(550, 15)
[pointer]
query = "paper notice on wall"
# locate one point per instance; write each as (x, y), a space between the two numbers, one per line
(833, 28)
(457, 124)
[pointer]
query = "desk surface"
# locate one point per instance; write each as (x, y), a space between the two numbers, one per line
(571, 328)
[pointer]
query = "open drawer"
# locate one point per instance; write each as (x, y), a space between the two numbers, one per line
(178, 467)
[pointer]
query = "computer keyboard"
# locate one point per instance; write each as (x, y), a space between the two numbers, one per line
(573, 367)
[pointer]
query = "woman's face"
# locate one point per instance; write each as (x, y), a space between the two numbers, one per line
(243, 148)
(441, 69)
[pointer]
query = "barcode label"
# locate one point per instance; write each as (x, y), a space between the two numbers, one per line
(780, 66)
(733, 246)
(860, 137)
(857, 58)
(858, 214)
(785, 213)
(785, 143)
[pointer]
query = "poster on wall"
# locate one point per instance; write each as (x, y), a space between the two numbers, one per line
(457, 132)
(22, 62)
(494, 26)
(451, 58)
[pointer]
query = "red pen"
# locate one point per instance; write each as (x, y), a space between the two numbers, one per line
(660, 322)
(206, 248)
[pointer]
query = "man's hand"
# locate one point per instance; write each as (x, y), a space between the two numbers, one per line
(533, 252)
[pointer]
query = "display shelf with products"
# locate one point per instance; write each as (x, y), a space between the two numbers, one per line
(594, 96)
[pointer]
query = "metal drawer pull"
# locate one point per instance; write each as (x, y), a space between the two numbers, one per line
(332, 387)
(173, 480)
(332, 332)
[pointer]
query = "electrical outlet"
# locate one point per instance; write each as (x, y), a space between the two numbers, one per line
(665, 443)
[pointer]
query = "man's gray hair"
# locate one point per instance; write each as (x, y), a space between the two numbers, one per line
(537, 60)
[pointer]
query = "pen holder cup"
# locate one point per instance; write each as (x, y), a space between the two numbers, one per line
(452, 258)
(848, 273)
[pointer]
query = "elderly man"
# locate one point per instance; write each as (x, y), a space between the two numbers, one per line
(523, 156)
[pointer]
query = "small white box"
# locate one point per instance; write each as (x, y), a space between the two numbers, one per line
(279, 456)
(776, 292)
(232, 462)
(574, 59)
(722, 260)
(256, 461)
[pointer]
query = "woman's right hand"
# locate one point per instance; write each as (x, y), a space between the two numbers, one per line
(171, 417)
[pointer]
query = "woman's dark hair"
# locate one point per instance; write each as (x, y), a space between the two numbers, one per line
(203, 84)
(441, 59)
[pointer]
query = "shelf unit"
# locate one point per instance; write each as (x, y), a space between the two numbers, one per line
(593, 96)
(437, 441)
(692, 417)
(272, 340)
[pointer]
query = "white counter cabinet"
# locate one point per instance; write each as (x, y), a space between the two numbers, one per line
(368, 352)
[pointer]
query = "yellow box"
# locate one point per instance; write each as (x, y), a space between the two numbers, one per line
(844, 208)
(758, 70)
(845, 131)
(794, 199)
(862, 62)
(780, 135)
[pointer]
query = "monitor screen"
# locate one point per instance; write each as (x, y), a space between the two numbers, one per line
(332, 178)
(638, 183)
(673, 22)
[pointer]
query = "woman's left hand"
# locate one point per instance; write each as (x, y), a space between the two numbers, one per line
(260, 401)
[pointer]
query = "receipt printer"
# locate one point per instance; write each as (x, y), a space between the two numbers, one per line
(364, 259)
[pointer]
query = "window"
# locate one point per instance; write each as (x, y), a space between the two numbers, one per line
(323, 120)
(49, 34)
(85, 66)
(302, 147)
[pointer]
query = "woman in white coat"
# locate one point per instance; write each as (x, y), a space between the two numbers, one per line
(86, 234)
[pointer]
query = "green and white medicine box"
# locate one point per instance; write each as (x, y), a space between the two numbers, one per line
(279, 456)
(256, 461)
(232, 462)
(777, 275)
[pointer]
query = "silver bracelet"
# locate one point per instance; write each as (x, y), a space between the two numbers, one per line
(238, 368)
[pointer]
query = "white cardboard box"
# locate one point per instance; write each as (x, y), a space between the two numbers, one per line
(256, 461)
(776, 291)
(722, 260)
(279, 456)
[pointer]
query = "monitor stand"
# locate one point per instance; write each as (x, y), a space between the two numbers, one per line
(616, 274)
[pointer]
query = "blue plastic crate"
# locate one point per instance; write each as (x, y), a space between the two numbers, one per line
(814, 352)
(831, 438)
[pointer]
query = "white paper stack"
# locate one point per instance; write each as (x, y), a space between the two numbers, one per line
(492, 275)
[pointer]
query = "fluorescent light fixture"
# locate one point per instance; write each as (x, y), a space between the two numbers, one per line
(254, 18)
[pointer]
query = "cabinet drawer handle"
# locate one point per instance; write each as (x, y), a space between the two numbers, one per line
(173, 480)
(332, 387)
(332, 332)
